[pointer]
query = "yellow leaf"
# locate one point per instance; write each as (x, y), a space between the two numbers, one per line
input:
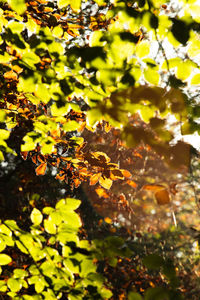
(105, 182)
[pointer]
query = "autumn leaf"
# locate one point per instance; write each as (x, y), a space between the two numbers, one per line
(101, 193)
(126, 173)
(108, 220)
(24, 155)
(162, 197)
(152, 187)
(116, 174)
(105, 182)
(132, 183)
(95, 178)
(41, 169)
(10, 75)
(161, 193)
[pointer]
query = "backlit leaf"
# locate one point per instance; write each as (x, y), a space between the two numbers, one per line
(18, 5)
(41, 169)
(162, 197)
(4, 259)
(94, 178)
(105, 182)
(36, 216)
(14, 284)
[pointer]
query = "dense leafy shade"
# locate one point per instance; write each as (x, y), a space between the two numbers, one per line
(88, 89)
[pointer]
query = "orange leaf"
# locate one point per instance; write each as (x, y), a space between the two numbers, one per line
(60, 177)
(101, 193)
(77, 182)
(34, 159)
(153, 187)
(41, 169)
(162, 197)
(95, 178)
(132, 183)
(126, 173)
(10, 75)
(108, 220)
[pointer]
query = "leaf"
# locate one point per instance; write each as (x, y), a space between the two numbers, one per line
(116, 174)
(126, 173)
(105, 182)
(41, 169)
(14, 284)
(94, 178)
(157, 293)
(132, 183)
(36, 216)
(142, 49)
(4, 259)
(195, 79)
(108, 220)
(49, 226)
(152, 76)
(10, 75)
(153, 261)
(152, 187)
(101, 192)
(71, 126)
(4, 134)
(162, 197)
(18, 5)
(134, 296)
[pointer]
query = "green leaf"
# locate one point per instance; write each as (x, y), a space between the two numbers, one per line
(71, 126)
(16, 27)
(50, 226)
(106, 293)
(134, 296)
(195, 79)
(14, 284)
(4, 134)
(63, 3)
(2, 116)
(153, 261)
(30, 58)
(19, 273)
(36, 216)
(157, 293)
(2, 244)
(75, 5)
(72, 204)
(3, 286)
(18, 5)
(142, 49)
(152, 76)
(4, 259)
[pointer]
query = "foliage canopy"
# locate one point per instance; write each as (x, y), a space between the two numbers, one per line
(88, 92)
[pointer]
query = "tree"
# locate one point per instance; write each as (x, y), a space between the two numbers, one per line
(88, 92)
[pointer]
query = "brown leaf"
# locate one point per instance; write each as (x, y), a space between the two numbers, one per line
(162, 197)
(24, 155)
